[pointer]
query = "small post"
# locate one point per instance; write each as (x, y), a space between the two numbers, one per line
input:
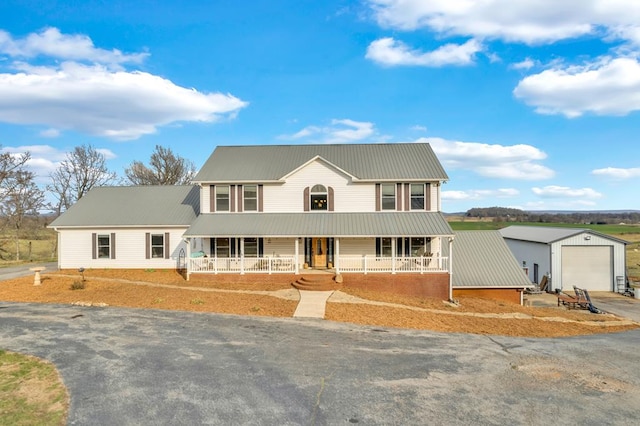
(37, 270)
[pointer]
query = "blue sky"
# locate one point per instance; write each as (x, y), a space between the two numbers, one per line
(528, 104)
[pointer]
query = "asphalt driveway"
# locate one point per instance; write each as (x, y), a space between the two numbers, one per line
(131, 367)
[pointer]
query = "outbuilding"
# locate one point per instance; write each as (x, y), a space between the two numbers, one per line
(568, 256)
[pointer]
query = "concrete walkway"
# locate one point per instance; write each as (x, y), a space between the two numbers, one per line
(312, 304)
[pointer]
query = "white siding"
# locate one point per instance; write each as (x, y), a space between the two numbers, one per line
(434, 193)
(357, 246)
(619, 261)
(348, 196)
(75, 249)
(205, 199)
(532, 253)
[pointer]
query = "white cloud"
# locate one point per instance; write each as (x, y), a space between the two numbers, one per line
(477, 194)
(618, 173)
(524, 65)
(89, 92)
(340, 131)
(554, 191)
(606, 87)
(50, 42)
(50, 133)
(531, 22)
(390, 52)
(495, 161)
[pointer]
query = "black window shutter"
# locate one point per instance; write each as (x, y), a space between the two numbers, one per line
(399, 247)
(378, 247)
(212, 198)
(260, 247)
(260, 206)
(305, 202)
(232, 246)
(427, 197)
(240, 198)
(167, 246)
(330, 199)
(113, 245)
(407, 249)
(147, 245)
(212, 247)
(378, 197)
(94, 246)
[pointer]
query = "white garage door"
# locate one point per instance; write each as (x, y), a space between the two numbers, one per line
(587, 267)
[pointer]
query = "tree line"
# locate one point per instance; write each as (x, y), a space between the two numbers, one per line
(81, 170)
(504, 214)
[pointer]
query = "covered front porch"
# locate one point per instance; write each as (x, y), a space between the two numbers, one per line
(272, 255)
(337, 242)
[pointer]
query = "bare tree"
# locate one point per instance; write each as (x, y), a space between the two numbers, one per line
(9, 165)
(23, 199)
(83, 169)
(165, 168)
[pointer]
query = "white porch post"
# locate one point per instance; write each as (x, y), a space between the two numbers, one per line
(450, 268)
(296, 261)
(393, 255)
(188, 259)
(242, 256)
(336, 255)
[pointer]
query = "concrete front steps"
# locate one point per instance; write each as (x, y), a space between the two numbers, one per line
(318, 282)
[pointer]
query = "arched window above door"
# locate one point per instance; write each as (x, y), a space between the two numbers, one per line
(318, 198)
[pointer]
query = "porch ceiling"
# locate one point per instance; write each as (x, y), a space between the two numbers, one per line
(325, 224)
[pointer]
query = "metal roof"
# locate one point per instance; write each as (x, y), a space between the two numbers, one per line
(122, 206)
(483, 259)
(548, 234)
(263, 163)
(326, 224)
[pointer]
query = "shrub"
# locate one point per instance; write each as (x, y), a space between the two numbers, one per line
(197, 302)
(77, 285)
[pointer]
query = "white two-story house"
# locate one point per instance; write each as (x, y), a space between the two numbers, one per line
(369, 212)
(349, 208)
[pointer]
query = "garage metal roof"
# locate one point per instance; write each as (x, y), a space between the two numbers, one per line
(122, 206)
(548, 234)
(264, 163)
(325, 224)
(483, 259)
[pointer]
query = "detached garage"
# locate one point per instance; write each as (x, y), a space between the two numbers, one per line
(568, 256)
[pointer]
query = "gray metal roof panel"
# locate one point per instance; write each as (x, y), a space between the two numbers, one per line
(263, 163)
(548, 234)
(320, 224)
(133, 206)
(483, 259)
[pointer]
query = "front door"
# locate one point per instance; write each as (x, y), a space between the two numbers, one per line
(319, 252)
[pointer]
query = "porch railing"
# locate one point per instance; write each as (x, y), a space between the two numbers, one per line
(219, 265)
(373, 264)
(346, 263)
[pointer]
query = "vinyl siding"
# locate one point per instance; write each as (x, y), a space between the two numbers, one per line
(75, 249)
(357, 246)
(289, 197)
(619, 261)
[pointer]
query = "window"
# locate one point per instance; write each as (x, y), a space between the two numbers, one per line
(319, 198)
(250, 198)
(222, 247)
(104, 246)
(222, 198)
(388, 192)
(417, 196)
(250, 247)
(157, 246)
(383, 247)
(420, 246)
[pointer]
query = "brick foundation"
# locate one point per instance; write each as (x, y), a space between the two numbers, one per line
(427, 285)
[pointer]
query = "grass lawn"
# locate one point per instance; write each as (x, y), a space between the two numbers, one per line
(31, 392)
